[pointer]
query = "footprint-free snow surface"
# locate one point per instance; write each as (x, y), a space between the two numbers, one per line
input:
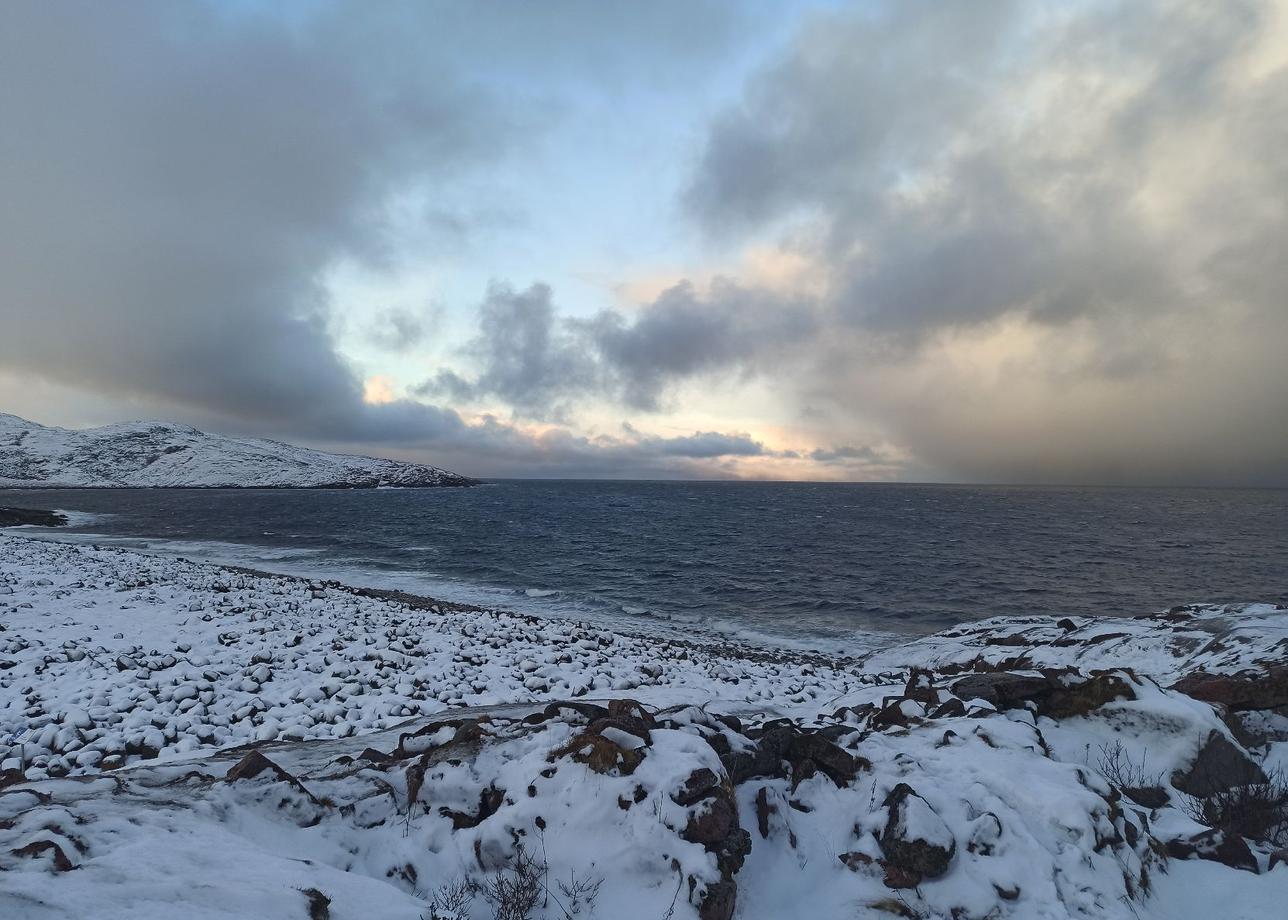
(187, 740)
(157, 455)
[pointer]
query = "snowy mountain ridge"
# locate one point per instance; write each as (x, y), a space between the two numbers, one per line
(163, 455)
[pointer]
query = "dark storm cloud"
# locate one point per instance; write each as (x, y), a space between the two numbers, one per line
(174, 182)
(539, 362)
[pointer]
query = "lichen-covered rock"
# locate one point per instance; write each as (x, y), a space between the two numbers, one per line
(1077, 697)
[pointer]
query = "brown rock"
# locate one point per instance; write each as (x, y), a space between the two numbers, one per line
(1219, 765)
(763, 811)
(712, 822)
(718, 901)
(838, 764)
(700, 784)
(1217, 846)
(1078, 698)
(1003, 689)
(903, 842)
(1266, 689)
(38, 847)
(601, 755)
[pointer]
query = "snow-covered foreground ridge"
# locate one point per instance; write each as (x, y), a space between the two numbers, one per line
(157, 455)
(186, 740)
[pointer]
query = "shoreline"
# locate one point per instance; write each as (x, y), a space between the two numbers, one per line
(168, 725)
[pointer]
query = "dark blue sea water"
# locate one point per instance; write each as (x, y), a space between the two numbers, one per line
(814, 563)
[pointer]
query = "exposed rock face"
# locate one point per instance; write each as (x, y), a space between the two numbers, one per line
(1080, 696)
(785, 750)
(1003, 689)
(1055, 695)
(1260, 689)
(1219, 765)
(917, 843)
(715, 825)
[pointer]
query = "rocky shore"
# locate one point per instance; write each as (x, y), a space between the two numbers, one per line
(21, 517)
(177, 737)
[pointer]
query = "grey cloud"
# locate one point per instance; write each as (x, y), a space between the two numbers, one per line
(1095, 178)
(495, 447)
(527, 359)
(175, 179)
(699, 445)
(397, 330)
(540, 363)
(861, 98)
(844, 454)
(685, 334)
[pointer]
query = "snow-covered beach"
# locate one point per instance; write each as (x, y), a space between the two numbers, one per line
(185, 738)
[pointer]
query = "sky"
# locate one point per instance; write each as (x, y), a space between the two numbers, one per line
(1021, 242)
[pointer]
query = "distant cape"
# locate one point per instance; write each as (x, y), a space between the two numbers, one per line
(161, 455)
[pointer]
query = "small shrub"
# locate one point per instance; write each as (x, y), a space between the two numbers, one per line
(1258, 811)
(1117, 766)
(515, 892)
(518, 892)
(452, 901)
(579, 894)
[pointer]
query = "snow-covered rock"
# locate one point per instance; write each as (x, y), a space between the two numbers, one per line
(158, 455)
(178, 738)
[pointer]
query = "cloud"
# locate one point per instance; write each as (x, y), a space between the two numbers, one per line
(397, 330)
(176, 180)
(634, 454)
(1001, 241)
(1045, 231)
(527, 360)
(844, 454)
(541, 363)
(686, 333)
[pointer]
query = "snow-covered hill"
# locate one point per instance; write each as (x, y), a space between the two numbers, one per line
(158, 455)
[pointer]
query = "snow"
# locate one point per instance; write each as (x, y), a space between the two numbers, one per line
(160, 455)
(131, 684)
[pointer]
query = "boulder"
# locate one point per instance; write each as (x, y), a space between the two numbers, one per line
(1055, 695)
(1003, 689)
(602, 755)
(1220, 765)
(714, 824)
(1217, 846)
(916, 841)
(833, 761)
(1072, 697)
(718, 901)
(1266, 689)
(701, 784)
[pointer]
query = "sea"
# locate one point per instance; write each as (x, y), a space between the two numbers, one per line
(834, 567)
